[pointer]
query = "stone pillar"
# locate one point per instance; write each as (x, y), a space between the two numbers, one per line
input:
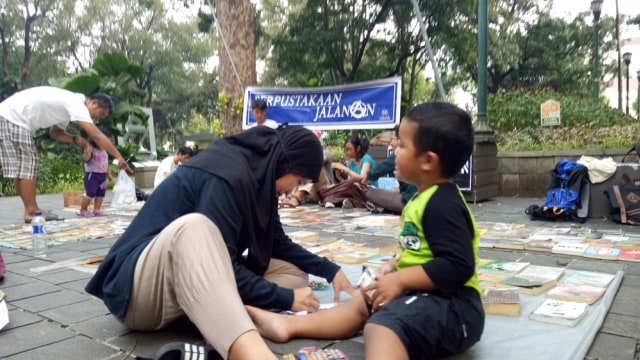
(484, 172)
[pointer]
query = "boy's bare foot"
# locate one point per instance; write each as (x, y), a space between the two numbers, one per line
(271, 325)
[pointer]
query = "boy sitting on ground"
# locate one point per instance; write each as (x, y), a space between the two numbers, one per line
(425, 303)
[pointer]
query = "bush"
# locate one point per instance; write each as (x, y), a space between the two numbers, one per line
(515, 117)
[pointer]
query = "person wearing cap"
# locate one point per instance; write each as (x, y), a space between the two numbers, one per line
(46, 107)
(209, 241)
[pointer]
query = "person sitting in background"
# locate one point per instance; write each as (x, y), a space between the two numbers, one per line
(347, 192)
(259, 111)
(170, 164)
(308, 193)
(392, 200)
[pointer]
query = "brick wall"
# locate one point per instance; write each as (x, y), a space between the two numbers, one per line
(526, 173)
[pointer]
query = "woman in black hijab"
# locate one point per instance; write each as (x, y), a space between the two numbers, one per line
(183, 252)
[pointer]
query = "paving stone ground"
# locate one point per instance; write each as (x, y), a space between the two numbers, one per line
(53, 318)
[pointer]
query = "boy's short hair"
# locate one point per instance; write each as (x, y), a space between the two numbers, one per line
(104, 101)
(185, 150)
(259, 104)
(446, 130)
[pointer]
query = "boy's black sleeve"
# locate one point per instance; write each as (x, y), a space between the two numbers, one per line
(449, 232)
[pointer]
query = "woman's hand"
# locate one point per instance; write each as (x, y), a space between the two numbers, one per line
(305, 299)
(341, 283)
(339, 166)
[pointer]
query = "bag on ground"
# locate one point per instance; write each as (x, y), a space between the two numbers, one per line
(624, 201)
(124, 191)
(567, 196)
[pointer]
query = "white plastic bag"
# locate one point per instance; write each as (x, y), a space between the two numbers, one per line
(124, 191)
(599, 169)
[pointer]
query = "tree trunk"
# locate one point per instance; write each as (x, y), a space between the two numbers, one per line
(237, 25)
(619, 56)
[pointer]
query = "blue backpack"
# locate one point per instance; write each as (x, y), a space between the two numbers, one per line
(569, 180)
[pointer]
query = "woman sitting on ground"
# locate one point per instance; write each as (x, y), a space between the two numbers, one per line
(347, 192)
(184, 253)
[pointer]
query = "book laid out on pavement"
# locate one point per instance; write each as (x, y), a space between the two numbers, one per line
(541, 245)
(559, 312)
(604, 253)
(501, 301)
(591, 278)
(510, 243)
(535, 279)
(581, 293)
(302, 235)
(629, 255)
(380, 260)
(631, 244)
(357, 256)
(502, 267)
(569, 248)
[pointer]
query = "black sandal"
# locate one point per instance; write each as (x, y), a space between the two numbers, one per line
(183, 350)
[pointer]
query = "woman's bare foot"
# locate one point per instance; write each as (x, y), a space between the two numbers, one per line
(271, 325)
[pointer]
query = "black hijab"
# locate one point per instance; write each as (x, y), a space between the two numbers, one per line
(251, 162)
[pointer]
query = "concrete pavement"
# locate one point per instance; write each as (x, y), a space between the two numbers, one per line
(53, 318)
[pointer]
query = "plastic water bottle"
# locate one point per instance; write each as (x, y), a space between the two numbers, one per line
(38, 235)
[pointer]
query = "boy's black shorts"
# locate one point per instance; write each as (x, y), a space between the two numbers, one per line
(434, 325)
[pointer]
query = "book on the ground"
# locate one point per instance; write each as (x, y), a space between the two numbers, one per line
(540, 245)
(302, 235)
(510, 243)
(576, 292)
(559, 312)
(604, 253)
(502, 267)
(501, 301)
(487, 242)
(629, 255)
(379, 260)
(357, 256)
(631, 244)
(535, 279)
(589, 278)
(569, 248)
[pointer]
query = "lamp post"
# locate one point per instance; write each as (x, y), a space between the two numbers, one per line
(596, 8)
(626, 57)
(482, 127)
(638, 98)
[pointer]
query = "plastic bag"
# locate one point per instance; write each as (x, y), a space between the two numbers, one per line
(124, 191)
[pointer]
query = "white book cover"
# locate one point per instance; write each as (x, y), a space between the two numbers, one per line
(546, 273)
(559, 312)
(569, 248)
(589, 278)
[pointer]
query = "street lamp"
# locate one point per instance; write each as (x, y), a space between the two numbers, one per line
(626, 57)
(638, 100)
(596, 8)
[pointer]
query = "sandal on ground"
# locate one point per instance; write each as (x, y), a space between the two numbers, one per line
(84, 213)
(49, 217)
(312, 353)
(284, 205)
(183, 350)
(99, 213)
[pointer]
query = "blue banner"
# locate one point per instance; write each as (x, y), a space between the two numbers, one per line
(366, 105)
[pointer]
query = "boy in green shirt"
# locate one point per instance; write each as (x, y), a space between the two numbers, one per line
(425, 303)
